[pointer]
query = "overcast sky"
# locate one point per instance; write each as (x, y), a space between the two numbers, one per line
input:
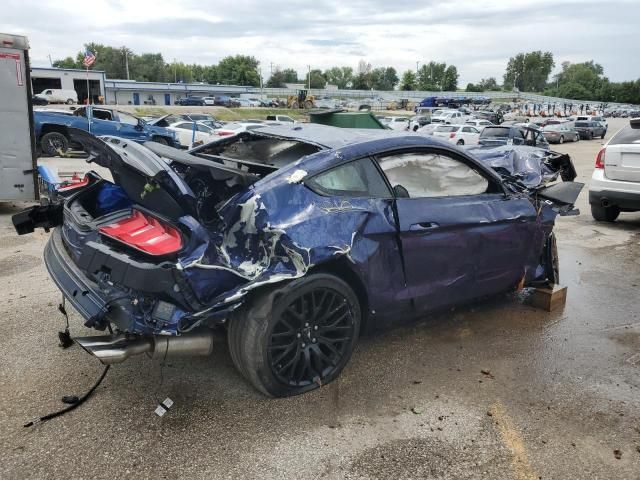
(476, 36)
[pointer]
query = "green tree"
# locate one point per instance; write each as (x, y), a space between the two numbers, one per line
(384, 78)
(340, 76)
(529, 72)
(239, 70)
(408, 81)
(148, 67)
(474, 88)
(430, 76)
(450, 79)
(68, 62)
(487, 84)
(180, 72)
(317, 79)
(575, 91)
(280, 77)
(589, 75)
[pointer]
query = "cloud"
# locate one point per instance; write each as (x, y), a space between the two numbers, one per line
(476, 36)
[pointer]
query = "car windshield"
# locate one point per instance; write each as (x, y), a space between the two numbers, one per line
(552, 128)
(495, 132)
(128, 119)
(626, 136)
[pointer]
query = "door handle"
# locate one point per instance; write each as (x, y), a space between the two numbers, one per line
(423, 227)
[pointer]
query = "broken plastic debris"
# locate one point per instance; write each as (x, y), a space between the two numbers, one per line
(297, 176)
(163, 407)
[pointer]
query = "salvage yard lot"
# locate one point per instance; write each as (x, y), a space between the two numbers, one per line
(492, 390)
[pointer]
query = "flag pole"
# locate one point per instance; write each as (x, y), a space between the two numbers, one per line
(88, 88)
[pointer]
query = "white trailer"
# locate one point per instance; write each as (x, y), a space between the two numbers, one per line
(18, 168)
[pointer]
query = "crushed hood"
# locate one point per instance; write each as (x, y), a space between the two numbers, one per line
(531, 166)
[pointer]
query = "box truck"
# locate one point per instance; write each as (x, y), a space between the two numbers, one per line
(18, 169)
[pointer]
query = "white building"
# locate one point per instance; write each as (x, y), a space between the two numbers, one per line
(131, 92)
(70, 79)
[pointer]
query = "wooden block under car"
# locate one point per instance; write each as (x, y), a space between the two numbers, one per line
(549, 298)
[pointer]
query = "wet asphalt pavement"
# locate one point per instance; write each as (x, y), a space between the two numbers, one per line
(495, 390)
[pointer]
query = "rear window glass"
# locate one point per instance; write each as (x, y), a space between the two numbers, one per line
(448, 128)
(582, 124)
(626, 136)
(495, 132)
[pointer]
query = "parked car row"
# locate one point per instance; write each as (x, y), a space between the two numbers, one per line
(224, 101)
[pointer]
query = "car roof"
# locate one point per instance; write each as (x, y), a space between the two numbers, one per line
(324, 135)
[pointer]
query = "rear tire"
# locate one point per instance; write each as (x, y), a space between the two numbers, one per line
(70, 101)
(292, 339)
(602, 137)
(590, 135)
(605, 214)
(561, 140)
(54, 143)
(460, 142)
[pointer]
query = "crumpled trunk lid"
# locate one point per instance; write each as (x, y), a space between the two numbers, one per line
(145, 177)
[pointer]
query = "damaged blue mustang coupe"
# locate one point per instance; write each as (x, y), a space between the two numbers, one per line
(296, 239)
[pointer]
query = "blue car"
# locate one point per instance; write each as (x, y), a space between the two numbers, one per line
(296, 240)
(52, 128)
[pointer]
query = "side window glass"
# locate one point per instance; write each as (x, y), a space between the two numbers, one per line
(359, 178)
(101, 114)
(127, 119)
(427, 175)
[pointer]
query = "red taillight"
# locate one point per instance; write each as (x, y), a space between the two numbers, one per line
(145, 233)
(452, 135)
(224, 134)
(600, 158)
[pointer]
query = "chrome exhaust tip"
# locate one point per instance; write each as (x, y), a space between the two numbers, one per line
(111, 349)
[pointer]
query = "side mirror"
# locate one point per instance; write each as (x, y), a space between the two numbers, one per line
(400, 192)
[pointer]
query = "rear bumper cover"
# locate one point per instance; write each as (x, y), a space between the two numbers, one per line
(620, 193)
(84, 295)
(136, 279)
(623, 200)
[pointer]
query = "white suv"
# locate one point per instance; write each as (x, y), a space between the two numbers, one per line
(615, 184)
(450, 117)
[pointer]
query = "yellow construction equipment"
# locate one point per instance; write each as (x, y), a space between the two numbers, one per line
(302, 100)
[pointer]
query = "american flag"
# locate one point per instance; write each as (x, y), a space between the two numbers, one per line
(89, 59)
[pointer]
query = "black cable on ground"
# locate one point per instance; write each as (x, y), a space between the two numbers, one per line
(80, 401)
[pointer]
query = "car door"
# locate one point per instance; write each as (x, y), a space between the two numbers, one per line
(461, 235)
(184, 132)
(470, 135)
(354, 208)
(128, 126)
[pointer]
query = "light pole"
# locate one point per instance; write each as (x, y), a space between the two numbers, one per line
(309, 67)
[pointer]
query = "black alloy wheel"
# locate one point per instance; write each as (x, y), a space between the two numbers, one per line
(310, 337)
(292, 338)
